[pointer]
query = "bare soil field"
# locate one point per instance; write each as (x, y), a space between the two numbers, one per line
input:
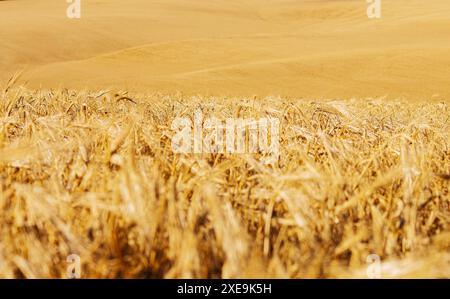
(311, 49)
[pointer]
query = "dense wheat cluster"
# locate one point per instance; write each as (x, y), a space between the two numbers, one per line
(94, 174)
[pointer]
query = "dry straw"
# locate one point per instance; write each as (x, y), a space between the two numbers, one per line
(93, 174)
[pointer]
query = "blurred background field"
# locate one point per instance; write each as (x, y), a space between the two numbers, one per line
(311, 49)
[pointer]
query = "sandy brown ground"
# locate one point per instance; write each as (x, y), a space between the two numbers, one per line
(238, 47)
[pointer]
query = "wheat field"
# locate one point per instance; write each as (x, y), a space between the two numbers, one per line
(92, 173)
(90, 184)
